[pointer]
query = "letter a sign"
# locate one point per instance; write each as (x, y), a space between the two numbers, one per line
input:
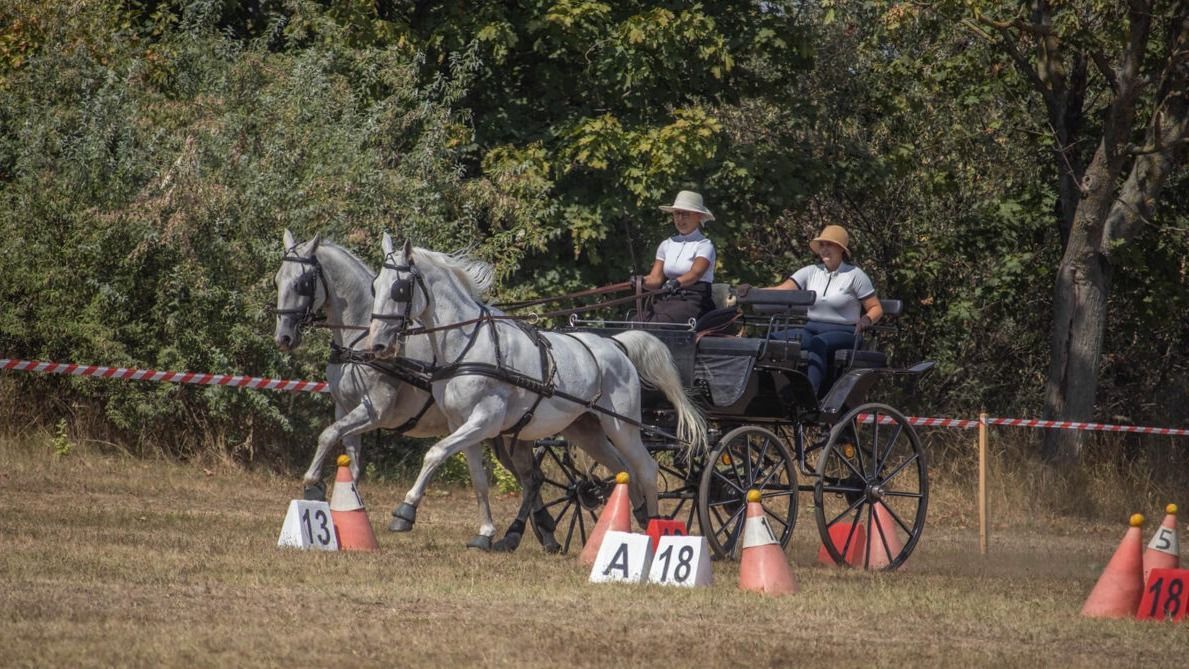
(623, 558)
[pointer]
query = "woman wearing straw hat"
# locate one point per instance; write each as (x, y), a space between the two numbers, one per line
(845, 305)
(684, 265)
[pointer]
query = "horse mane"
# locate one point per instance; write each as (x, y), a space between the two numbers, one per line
(477, 275)
(326, 243)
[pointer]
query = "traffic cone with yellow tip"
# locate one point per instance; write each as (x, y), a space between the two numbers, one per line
(1121, 586)
(351, 523)
(1164, 550)
(763, 566)
(616, 516)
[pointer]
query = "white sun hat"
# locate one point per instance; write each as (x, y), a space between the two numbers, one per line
(687, 200)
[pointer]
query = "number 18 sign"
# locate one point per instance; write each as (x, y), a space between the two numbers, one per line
(1165, 595)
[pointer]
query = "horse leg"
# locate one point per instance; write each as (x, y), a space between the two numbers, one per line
(484, 421)
(587, 433)
(314, 488)
(474, 457)
(520, 463)
(644, 468)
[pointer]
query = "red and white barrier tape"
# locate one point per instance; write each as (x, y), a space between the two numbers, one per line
(259, 383)
(170, 377)
(1032, 422)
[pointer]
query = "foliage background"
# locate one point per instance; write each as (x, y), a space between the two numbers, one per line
(151, 153)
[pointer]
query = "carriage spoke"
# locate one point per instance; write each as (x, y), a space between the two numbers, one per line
(898, 493)
(718, 475)
(573, 521)
(775, 517)
(880, 462)
(876, 527)
(857, 504)
(900, 468)
(896, 517)
(850, 536)
(841, 490)
(857, 436)
(874, 446)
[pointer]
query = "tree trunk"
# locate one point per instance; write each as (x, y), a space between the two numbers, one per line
(1079, 317)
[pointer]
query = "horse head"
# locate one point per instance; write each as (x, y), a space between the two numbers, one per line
(301, 290)
(400, 298)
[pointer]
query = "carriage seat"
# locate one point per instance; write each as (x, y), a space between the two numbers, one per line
(768, 302)
(734, 346)
(868, 358)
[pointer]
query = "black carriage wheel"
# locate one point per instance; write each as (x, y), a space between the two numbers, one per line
(571, 495)
(746, 458)
(872, 489)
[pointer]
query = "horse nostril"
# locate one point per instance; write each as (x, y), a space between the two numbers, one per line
(377, 348)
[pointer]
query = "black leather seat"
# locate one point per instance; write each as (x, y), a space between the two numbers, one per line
(729, 346)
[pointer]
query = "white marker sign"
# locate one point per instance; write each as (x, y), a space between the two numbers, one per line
(623, 558)
(308, 524)
(683, 561)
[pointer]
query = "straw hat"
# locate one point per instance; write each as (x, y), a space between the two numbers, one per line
(687, 200)
(835, 234)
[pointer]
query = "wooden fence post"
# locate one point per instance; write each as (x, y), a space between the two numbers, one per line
(984, 538)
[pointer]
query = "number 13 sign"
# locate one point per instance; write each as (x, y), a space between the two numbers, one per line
(1165, 596)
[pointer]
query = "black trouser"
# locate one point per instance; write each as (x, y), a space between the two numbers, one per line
(680, 306)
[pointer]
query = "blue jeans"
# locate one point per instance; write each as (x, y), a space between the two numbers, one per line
(821, 340)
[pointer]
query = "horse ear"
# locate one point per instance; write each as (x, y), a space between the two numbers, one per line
(386, 243)
(408, 251)
(314, 243)
(287, 240)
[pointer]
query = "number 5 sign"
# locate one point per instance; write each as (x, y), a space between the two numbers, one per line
(308, 524)
(1165, 596)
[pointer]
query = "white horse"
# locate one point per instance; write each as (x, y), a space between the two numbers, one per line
(319, 276)
(497, 376)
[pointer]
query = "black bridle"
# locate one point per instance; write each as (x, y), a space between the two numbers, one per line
(306, 286)
(401, 292)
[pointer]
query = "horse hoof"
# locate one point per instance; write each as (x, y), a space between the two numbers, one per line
(403, 518)
(480, 542)
(315, 492)
(509, 543)
(551, 547)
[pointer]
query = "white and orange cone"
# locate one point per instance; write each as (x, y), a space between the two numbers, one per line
(1118, 591)
(763, 566)
(616, 516)
(351, 523)
(1164, 550)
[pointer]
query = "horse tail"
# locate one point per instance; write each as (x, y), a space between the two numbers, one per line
(654, 363)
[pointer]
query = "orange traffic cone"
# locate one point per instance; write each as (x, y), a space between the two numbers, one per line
(1121, 586)
(351, 523)
(839, 533)
(1164, 550)
(882, 531)
(616, 516)
(763, 567)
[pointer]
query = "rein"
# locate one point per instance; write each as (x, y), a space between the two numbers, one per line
(611, 288)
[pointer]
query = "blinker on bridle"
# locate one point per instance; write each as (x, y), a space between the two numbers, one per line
(401, 292)
(306, 286)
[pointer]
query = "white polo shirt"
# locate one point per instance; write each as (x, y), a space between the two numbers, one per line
(679, 251)
(839, 293)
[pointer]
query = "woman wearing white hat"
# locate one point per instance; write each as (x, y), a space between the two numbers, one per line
(684, 265)
(846, 303)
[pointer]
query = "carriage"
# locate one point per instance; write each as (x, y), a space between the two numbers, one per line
(767, 430)
(862, 462)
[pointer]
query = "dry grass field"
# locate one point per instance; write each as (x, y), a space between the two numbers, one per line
(111, 561)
